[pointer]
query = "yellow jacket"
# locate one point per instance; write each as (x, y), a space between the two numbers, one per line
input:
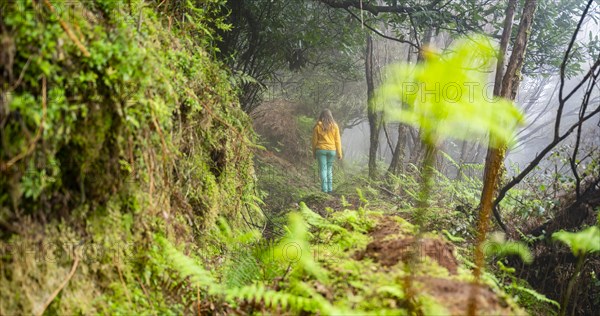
(327, 140)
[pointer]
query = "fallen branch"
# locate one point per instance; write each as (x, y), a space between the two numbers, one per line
(392, 194)
(38, 133)
(14, 86)
(65, 27)
(55, 293)
(379, 33)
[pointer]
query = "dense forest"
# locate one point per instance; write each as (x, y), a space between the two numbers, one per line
(166, 157)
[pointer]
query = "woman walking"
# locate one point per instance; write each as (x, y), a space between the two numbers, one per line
(326, 145)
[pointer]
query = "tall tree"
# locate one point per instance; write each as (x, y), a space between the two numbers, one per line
(508, 90)
(371, 109)
(495, 155)
(559, 134)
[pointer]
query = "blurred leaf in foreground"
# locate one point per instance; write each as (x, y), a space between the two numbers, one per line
(447, 95)
(581, 243)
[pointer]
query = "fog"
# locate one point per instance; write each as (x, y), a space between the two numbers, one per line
(537, 98)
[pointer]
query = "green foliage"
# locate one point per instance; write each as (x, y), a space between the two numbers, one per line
(362, 198)
(344, 201)
(313, 268)
(452, 238)
(98, 107)
(498, 245)
(554, 23)
(452, 202)
(445, 96)
(525, 295)
(281, 185)
(272, 299)
(281, 39)
(295, 248)
(145, 137)
(187, 267)
(344, 229)
(297, 296)
(581, 243)
(236, 248)
(536, 295)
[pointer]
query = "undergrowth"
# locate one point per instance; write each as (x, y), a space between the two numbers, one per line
(314, 268)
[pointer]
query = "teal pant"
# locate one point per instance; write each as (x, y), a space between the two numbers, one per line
(326, 159)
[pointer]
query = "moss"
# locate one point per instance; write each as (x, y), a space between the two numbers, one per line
(143, 137)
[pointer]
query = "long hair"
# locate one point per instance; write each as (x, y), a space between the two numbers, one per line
(327, 120)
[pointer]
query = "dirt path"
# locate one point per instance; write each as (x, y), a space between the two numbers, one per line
(391, 244)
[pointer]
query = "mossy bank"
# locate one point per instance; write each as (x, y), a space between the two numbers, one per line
(117, 126)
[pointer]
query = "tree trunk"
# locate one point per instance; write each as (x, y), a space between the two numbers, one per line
(461, 161)
(508, 89)
(402, 141)
(371, 111)
(495, 156)
(418, 148)
(398, 154)
(508, 21)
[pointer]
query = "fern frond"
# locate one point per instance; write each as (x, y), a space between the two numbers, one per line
(241, 269)
(297, 239)
(582, 242)
(259, 293)
(498, 245)
(538, 296)
(187, 267)
(392, 291)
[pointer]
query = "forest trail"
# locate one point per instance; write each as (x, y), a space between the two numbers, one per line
(441, 282)
(388, 249)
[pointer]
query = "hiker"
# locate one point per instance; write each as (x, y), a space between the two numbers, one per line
(326, 145)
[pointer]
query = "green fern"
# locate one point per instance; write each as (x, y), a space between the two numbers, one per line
(515, 285)
(344, 202)
(449, 158)
(393, 291)
(296, 240)
(362, 197)
(340, 229)
(241, 269)
(452, 238)
(538, 296)
(499, 246)
(224, 232)
(188, 268)
(258, 293)
(357, 220)
(581, 243)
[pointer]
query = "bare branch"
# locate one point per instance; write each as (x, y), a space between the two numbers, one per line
(573, 159)
(376, 9)
(518, 178)
(379, 33)
(563, 65)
